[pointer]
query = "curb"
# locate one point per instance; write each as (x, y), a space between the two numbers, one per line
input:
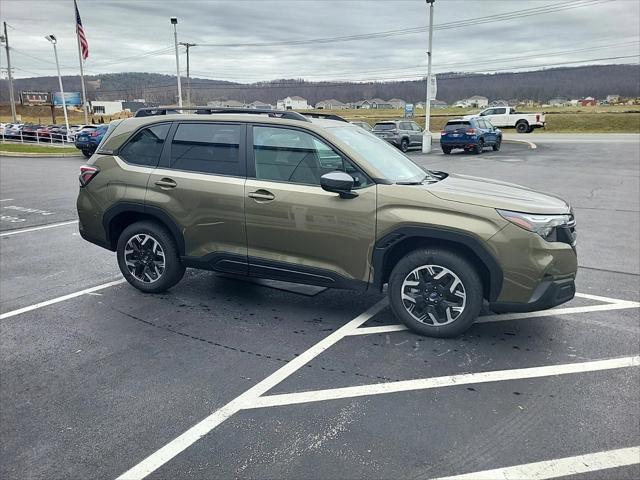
(36, 155)
(531, 145)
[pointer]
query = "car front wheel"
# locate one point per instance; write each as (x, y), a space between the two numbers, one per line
(404, 145)
(148, 257)
(435, 292)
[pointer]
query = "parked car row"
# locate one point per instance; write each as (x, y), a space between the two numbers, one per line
(472, 134)
(41, 133)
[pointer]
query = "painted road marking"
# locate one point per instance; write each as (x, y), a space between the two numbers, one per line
(610, 304)
(35, 306)
(34, 229)
(247, 400)
(446, 381)
(559, 467)
(6, 200)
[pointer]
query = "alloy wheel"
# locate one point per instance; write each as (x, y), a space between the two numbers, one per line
(144, 258)
(433, 295)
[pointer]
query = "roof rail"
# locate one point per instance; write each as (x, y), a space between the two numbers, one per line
(287, 114)
(328, 116)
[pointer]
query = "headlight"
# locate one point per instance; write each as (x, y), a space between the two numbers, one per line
(544, 225)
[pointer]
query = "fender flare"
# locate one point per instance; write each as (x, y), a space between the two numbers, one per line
(155, 212)
(385, 244)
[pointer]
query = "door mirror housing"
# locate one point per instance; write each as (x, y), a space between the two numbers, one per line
(338, 182)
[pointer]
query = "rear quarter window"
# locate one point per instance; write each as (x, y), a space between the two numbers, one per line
(145, 147)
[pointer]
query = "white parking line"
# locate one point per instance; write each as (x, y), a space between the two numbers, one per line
(610, 304)
(35, 306)
(559, 467)
(34, 229)
(6, 199)
(247, 400)
(447, 381)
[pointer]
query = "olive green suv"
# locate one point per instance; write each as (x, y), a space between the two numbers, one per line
(316, 200)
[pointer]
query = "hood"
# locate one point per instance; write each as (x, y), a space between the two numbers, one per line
(469, 117)
(496, 194)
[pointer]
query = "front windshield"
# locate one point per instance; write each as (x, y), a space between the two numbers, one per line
(385, 158)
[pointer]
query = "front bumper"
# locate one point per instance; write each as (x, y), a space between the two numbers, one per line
(548, 294)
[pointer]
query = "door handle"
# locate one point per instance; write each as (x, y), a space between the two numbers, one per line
(262, 195)
(166, 183)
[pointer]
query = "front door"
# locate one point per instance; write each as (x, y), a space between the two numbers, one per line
(200, 185)
(296, 231)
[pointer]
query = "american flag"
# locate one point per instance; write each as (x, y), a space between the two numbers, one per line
(84, 45)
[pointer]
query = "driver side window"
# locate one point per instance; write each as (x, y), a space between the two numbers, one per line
(294, 156)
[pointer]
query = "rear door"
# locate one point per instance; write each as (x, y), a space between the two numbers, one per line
(296, 231)
(200, 185)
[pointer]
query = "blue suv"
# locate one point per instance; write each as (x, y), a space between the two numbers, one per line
(473, 134)
(89, 138)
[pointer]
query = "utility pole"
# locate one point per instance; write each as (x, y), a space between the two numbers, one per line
(188, 45)
(5, 38)
(174, 22)
(426, 136)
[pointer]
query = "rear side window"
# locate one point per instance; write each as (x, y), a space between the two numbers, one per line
(145, 147)
(207, 148)
(453, 126)
(380, 127)
(405, 126)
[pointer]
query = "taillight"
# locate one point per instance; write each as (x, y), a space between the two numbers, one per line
(471, 131)
(442, 132)
(94, 133)
(537, 118)
(87, 173)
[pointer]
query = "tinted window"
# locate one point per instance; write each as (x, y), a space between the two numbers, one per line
(452, 126)
(207, 148)
(145, 147)
(499, 111)
(405, 126)
(294, 156)
(416, 127)
(384, 126)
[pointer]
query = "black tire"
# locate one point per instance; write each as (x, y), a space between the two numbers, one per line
(87, 153)
(531, 129)
(446, 150)
(173, 267)
(496, 146)
(479, 147)
(457, 264)
(522, 127)
(404, 145)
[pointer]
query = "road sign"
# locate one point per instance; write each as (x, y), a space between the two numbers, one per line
(408, 110)
(71, 99)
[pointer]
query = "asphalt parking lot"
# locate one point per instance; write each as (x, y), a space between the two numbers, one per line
(223, 378)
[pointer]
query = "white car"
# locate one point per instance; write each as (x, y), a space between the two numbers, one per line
(507, 117)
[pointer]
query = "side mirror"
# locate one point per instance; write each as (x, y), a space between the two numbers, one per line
(338, 182)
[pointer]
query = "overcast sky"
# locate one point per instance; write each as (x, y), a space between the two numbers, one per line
(136, 35)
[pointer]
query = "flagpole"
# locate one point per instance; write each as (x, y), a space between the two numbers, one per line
(84, 92)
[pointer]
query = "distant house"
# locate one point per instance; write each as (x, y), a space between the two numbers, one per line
(436, 104)
(478, 101)
(260, 105)
(499, 103)
(587, 102)
(397, 103)
(559, 101)
(613, 98)
(420, 105)
(331, 104)
(379, 103)
(293, 103)
(356, 105)
(225, 104)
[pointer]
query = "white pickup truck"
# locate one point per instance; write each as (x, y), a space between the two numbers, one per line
(507, 117)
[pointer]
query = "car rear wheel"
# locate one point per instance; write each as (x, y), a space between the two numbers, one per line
(446, 150)
(522, 127)
(479, 147)
(496, 146)
(148, 257)
(435, 292)
(86, 153)
(404, 145)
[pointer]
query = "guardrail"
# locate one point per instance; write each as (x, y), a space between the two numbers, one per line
(52, 139)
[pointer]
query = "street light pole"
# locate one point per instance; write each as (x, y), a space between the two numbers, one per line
(426, 136)
(187, 46)
(53, 41)
(174, 22)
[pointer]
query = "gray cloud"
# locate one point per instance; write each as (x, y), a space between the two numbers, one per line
(136, 29)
